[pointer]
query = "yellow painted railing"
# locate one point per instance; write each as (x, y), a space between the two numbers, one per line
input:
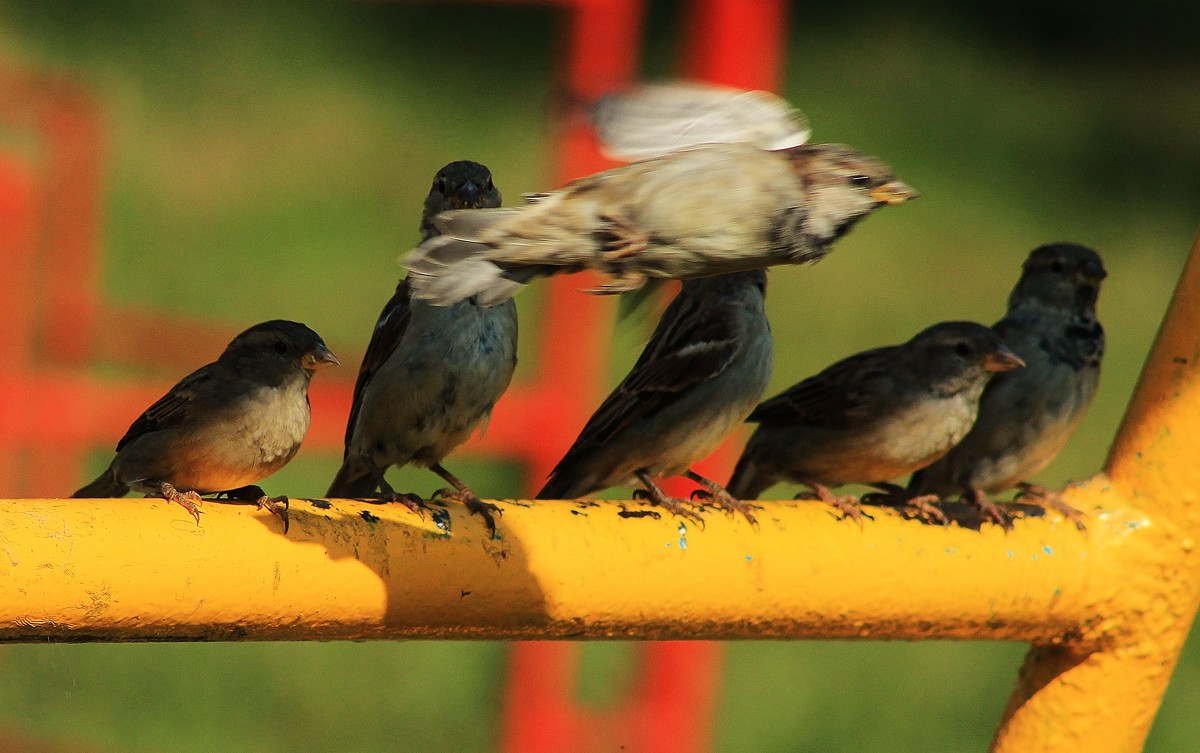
(1107, 611)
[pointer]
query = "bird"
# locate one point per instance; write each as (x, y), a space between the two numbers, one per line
(224, 427)
(748, 201)
(431, 374)
(874, 416)
(705, 366)
(1026, 417)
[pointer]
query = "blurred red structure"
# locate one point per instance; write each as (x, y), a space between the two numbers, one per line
(53, 409)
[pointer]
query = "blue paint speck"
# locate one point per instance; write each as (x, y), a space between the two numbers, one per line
(441, 518)
(951, 550)
(682, 537)
(748, 558)
(1048, 549)
(1010, 554)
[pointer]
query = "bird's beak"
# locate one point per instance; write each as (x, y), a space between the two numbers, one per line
(320, 356)
(1093, 271)
(893, 192)
(1002, 359)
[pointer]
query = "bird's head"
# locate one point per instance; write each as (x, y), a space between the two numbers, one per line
(1060, 275)
(842, 185)
(458, 185)
(276, 348)
(961, 356)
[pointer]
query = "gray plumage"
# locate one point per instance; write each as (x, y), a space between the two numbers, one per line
(225, 426)
(701, 211)
(706, 365)
(431, 374)
(1027, 416)
(874, 416)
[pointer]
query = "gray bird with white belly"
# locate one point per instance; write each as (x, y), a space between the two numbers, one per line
(431, 374)
(875, 416)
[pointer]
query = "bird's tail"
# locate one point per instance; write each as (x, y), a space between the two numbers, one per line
(749, 478)
(105, 485)
(564, 486)
(352, 480)
(453, 266)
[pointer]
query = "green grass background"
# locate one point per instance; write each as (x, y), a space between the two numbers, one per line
(268, 160)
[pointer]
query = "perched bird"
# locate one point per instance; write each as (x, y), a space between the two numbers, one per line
(1027, 416)
(874, 416)
(706, 365)
(710, 208)
(225, 426)
(431, 374)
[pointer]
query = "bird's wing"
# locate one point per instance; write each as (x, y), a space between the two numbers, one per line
(693, 343)
(653, 119)
(389, 330)
(172, 408)
(843, 393)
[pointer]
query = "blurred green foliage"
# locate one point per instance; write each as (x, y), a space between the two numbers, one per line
(268, 160)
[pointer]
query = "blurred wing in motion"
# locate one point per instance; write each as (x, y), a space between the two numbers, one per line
(654, 119)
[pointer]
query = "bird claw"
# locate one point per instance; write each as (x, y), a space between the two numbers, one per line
(1048, 499)
(921, 507)
(189, 501)
(410, 500)
(727, 502)
(989, 510)
(474, 504)
(849, 506)
(277, 506)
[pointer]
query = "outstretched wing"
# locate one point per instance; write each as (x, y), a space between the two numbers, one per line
(653, 119)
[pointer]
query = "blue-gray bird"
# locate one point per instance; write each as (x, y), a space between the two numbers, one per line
(431, 374)
(224, 427)
(1027, 416)
(706, 365)
(875, 416)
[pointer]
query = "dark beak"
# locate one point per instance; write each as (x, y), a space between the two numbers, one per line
(1002, 359)
(320, 356)
(467, 196)
(1093, 270)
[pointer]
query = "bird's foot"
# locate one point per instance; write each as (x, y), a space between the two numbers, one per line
(847, 504)
(277, 506)
(189, 501)
(910, 505)
(989, 510)
(659, 498)
(410, 500)
(623, 282)
(727, 502)
(1043, 497)
(473, 503)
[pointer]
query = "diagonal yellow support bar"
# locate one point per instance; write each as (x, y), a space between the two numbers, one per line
(1107, 613)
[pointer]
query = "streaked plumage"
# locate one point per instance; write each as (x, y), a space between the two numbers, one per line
(706, 365)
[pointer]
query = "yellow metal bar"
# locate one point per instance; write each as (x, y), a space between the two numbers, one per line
(1067, 698)
(142, 569)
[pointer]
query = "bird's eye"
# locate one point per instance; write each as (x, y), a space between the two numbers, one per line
(860, 180)
(280, 347)
(962, 349)
(1056, 266)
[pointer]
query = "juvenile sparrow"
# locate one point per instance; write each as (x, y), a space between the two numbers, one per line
(225, 426)
(431, 374)
(1027, 416)
(707, 209)
(874, 416)
(706, 365)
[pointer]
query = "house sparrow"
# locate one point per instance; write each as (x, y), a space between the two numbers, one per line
(225, 426)
(874, 416)
(707, 209)
(1027, 416)
(706, 365)
(431, 374)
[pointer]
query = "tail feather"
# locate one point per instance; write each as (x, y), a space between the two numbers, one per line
(105, 485)
(565, 486)
(749, 478)
(352, 480)
(445, 270)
